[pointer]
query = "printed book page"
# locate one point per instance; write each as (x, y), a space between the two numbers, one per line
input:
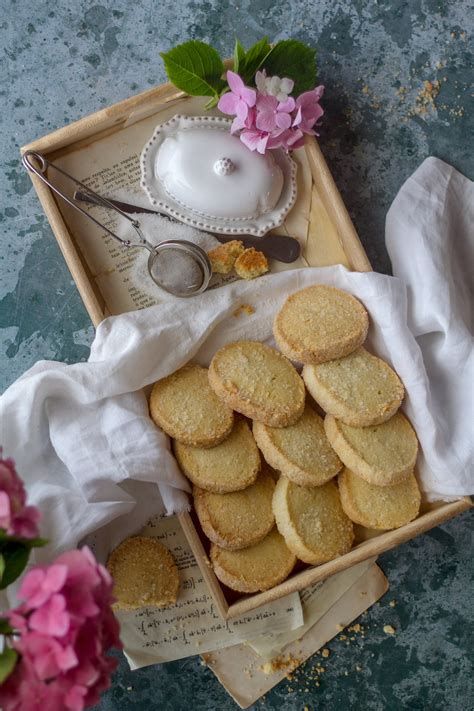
(247, 677)
(152, 635)
(111, 167)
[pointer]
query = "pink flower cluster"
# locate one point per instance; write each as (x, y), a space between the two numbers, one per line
(65, 626)
(16, 519)
(268, 117)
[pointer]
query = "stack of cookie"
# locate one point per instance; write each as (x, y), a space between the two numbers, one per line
(355, 465)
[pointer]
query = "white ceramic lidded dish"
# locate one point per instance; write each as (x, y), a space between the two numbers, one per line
(195, 170)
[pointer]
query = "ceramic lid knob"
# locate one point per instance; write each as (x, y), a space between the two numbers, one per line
(224, 166)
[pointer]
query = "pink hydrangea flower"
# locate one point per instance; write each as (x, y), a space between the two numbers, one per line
(16, 519)
(64, 627)
(239, 99)
(269, 118)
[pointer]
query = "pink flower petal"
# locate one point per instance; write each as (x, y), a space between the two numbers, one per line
(287, 106)
(235, 82)
(249, 96)
(283, 120)
(267, 103)
(228, 103)
(266, 120)
(75, 698)
(242, 110)
(51, 618)
(262, 144)
(250, 138)
(5, 509)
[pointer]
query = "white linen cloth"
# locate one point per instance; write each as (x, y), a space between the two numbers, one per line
(81, 436)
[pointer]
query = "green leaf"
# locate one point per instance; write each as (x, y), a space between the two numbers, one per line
(5, 626)
(2, 566)
(195, 68)
(16, 557)
(254, 59)
(239, 56)
(295, 60)
(7, 663)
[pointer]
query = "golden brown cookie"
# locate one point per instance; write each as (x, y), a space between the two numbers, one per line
(231, 465)
(223, 257)
(379, 507)
(239, 519)
(320, 323)
(359, 389)
(383, 454)
(251, 264)
(259, 382)
(144, 573)
(312, 521)
(301, 452)
(187, 409)
(255, 568)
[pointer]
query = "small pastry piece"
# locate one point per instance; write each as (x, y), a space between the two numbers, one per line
(320, 323)
(259, 382)
(255, 568)
(251, 264)
(359, 389)
(223, 257)
(301, 451)
(144, 573)
(231, 465)
(383, 454)
(379, 507)
(312, 521)
(186, 408)
(240, 519)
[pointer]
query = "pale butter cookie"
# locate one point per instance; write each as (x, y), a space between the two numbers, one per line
(312, 521)
(255, 568)
(187, 409)
(379, 507)
(229, 466)
(359, 389)
(259, 382)
(383, 454)
(301, 451)
(320, 323)
(144, 573)
(239, 519)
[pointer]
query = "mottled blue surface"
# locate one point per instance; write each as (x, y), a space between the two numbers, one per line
(397, 77)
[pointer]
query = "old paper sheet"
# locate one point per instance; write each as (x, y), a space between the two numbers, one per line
(316, 600)
(151, 635)
(239, 668)
(110, 166)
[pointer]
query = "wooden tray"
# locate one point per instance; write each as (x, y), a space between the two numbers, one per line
(333, 240)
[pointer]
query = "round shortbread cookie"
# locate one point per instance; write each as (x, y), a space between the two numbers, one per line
(259, 382)
(187, 409)
(312, 521)
(379, 507)
(359, 389)
(383, 454)
(320, 323)
(301, 452)
(256, 568)
(144, 573)
(231, 465)
(239, 519)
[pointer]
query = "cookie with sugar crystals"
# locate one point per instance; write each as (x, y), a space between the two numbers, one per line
(320, 323)
(187, 409)
(239, 519)
(231, 465)
(379, 507)
(259, 382)
(312, 521)
(359, 389)
(144, 573)
(256, 568)
(382, 454)
(301, 451)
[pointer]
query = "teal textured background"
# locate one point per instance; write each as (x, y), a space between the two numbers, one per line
(60, 61)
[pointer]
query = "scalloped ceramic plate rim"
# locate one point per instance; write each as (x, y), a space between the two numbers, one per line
(162, 201)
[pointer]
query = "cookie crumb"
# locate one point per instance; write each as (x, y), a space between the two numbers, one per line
(392, 603)
(388, 629)
(325, 653)
(244, 309)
